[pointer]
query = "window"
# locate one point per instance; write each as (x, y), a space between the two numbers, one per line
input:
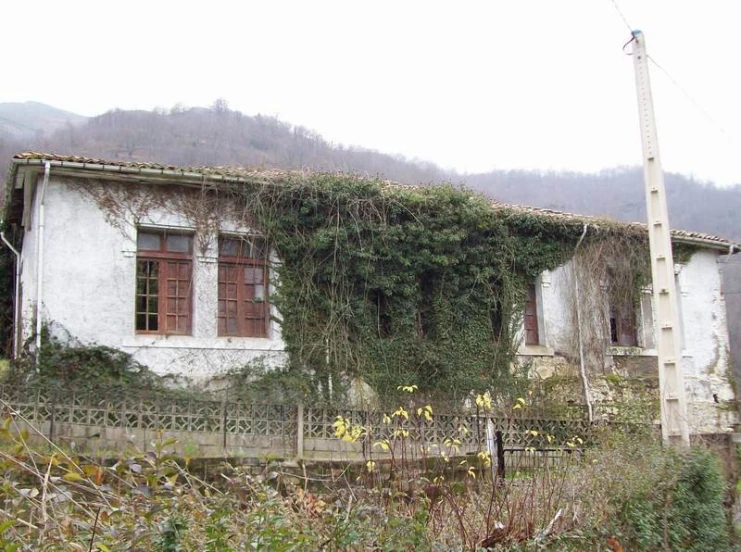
(531, 317)
(163, 283)
(243, 284)
(623, 326)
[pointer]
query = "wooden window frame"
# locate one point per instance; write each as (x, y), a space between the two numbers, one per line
(530, 320)
(246, 326)
(164, 260)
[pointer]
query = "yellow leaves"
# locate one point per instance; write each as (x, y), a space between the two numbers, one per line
(549, 438)
(340, 426)
(370, 465)
(519, 404)
(425, 412)
(401, 432)
(383, 445)
(484, 457)
(532, 433)
(530, 450)
(453, 444)
(407, 388)
(574, 442)
(470, 471)
(400, 413)
(72, 477)
(386, 419)
(344, 430)
(484, 401)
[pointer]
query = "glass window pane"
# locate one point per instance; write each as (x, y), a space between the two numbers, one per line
(259, 293)
(178, 243)
(258, 248)
(148, 241)
(141, 322)
(153, 325)
(253, 275)
(229, 247)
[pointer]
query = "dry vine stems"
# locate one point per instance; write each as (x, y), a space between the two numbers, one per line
(399, 285)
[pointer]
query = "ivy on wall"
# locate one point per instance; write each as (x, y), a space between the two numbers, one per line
(398, 285)
(403, 286)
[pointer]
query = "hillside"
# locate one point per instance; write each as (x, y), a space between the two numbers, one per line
(24, 120)
(220, 136)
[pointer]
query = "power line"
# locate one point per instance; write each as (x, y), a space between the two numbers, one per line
(692, 100)
(620, 13)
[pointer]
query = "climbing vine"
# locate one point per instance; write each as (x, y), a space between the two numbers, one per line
(398, 285)
(402, 286)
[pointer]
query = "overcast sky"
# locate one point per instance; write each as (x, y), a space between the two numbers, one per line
(528, 84)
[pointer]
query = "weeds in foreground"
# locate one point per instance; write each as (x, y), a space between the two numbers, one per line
(626, 492)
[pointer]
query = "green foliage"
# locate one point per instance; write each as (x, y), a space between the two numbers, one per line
(681, 505)
(402, 286)
(171, 533)
(62, 365)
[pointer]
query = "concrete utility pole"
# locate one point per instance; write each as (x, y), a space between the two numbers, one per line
(674, 427)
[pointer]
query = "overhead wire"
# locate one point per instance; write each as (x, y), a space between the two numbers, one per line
(697, 105)
(687, 95)
(622, 16)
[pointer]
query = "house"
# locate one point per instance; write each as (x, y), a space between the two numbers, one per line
(161, 262)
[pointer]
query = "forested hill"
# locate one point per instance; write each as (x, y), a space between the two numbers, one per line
(220, 136)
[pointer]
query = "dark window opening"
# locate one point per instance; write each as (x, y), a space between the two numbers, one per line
(163, 283)
(497, 322)
(623, 327)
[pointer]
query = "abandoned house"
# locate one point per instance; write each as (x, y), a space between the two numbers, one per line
(135, 256)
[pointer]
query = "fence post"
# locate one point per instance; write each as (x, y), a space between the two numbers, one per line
(500, 454)
(53, 413)
(223, 418)
(300, 431)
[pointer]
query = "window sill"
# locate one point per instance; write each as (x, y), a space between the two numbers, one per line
(535, 350)
(190, 342)
(615, 350)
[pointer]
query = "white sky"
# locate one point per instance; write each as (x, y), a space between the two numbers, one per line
(529, 84)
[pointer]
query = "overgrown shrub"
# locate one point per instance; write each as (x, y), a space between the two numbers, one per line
(63, 365)
(683, 507)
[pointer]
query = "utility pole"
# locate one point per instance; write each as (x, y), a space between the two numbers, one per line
(674, 427)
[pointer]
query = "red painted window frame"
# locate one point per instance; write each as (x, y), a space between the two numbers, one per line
(530, 317)
(164, 258)
(245, 292)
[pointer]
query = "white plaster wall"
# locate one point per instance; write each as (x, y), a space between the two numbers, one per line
(705, 352)
(556, 290)
(705, 362)
(89, 285)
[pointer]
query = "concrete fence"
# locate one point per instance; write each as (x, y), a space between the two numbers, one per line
(103, 422)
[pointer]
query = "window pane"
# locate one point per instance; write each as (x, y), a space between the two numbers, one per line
(147, 241)
(258, 248)
(259, 293)
(253, 275)
(141, 322)
(229, 247)
(178, 243)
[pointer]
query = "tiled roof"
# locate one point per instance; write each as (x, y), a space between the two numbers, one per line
(246, 173)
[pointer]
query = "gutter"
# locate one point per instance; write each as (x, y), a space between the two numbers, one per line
(40, 261)
(17, 294)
